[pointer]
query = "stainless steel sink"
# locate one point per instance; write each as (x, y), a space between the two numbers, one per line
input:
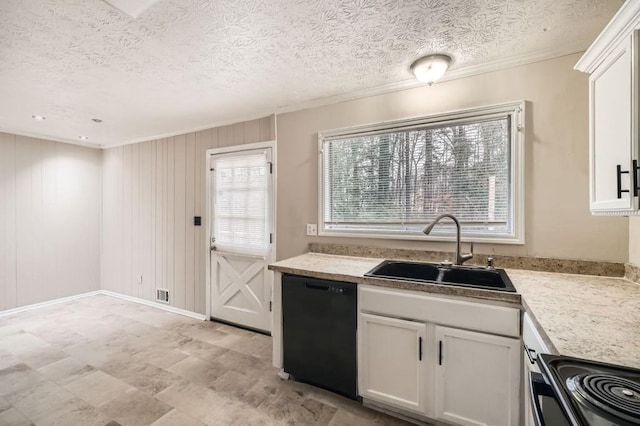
(437, 273)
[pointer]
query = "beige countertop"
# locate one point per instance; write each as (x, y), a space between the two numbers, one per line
(584, 316)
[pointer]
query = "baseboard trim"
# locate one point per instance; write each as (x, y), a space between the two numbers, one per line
(48, 303)
(167, 308)
(162, 306)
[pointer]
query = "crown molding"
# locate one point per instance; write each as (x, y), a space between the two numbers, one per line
(187, 130)
(627, 18)
(49, 138)
(452, 74)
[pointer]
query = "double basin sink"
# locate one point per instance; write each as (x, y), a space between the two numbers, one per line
(443, 274)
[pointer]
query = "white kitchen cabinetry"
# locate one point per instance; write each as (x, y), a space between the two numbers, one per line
(477, 378)
(613, 64)
(443, 358)
(391, 361)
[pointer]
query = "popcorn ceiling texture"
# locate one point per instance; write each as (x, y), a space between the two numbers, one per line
(188, 63)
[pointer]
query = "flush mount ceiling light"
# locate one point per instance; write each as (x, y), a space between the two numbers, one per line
(96, 120)
(430, 68)
(38, 117)
(132, 8)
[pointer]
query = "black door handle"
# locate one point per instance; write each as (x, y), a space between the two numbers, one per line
(419, 348)
(440, 352)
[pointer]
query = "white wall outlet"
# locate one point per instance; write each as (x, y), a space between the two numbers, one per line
(139, 279)
(312, 229)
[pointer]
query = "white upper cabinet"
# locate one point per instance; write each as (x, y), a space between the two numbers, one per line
(612, 61)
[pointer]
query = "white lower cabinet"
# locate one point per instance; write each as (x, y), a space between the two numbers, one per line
(431, 365)
(391, 366)
(477, 378)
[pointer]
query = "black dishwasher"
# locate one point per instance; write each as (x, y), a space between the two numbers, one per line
(319, 320)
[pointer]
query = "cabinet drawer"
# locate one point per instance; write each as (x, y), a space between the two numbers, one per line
(455, 313)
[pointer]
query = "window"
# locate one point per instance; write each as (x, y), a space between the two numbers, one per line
(240, 191)
(392, 179)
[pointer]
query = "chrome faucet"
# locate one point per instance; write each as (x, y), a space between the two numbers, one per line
(460, 258)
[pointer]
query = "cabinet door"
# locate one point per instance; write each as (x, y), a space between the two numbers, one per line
(391, 361)
(613, 133)
(477, 378)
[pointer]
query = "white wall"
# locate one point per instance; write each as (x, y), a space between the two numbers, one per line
(49, 220)
(557, 223)
(151, 192)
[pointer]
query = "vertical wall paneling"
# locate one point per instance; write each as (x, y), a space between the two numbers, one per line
(8, 255)
(3, 226)
(225, 133)
(49, 220)
(135, 219)
(127, 216)
(264, 129)
(238, 133)
(180, 221)
(146, 219)
(112, 220)
(190, 203)
(78, 209)
(252, 131)
(159, 210)
(171, 222)
(153, 249)
(11, 235)
(162, 186)
(204, 139)
(29, 210)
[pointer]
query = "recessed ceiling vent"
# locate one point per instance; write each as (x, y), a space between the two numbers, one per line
(132, 8)
(162, 295)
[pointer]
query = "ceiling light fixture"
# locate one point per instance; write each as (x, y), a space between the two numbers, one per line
(96, 120)
(430, 68)
(83, 138)
(38, 117)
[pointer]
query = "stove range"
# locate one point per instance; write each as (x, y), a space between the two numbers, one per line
(592, 393)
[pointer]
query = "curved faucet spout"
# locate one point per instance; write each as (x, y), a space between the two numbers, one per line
(460, 258)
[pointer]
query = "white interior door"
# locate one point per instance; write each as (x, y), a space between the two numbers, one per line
(241, 236)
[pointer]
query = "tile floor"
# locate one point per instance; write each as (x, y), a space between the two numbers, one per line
(104, 361)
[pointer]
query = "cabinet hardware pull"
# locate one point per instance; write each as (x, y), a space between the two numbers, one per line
(440, 352)
(419, 348)
(619, 173)
(635, 183)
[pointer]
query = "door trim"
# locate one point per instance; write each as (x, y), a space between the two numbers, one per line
(224, 150)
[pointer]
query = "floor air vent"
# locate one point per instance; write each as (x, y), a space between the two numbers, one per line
(162, 295)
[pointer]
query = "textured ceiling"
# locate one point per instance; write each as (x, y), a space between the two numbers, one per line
(185, 64)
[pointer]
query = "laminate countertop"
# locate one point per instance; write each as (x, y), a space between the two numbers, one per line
(584, 316)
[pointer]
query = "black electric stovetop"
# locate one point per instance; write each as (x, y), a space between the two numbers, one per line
(594, 393)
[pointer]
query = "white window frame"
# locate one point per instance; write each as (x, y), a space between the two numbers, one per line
(516, 110)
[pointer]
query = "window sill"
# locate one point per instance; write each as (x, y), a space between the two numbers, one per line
(511, 240)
